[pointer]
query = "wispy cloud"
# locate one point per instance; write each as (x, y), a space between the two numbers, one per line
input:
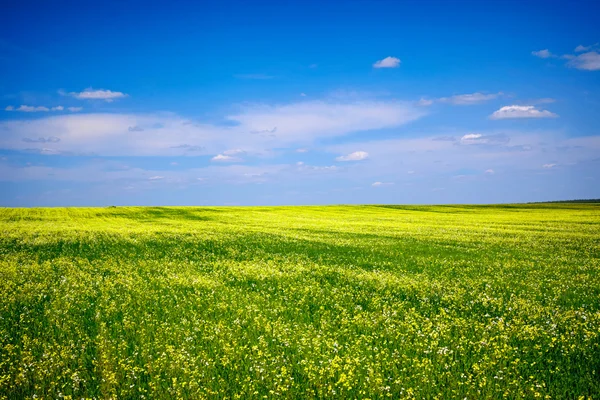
(74, 109)
(582, 48)
(589, 61)
(388, 62)
(548, 166)
(380, 184)
(489, 140)
(225, 158)
(509, 151)
(543, 53)
(356, 156)
(234, 152)
(300, 166)
(264, 131)
(26, 108)
(424, 102)
(444, 139)
(470, 99)
(470, 137)
(461, 99)
(299, 125)
(98, 94)
(48, 151)
(188, 147)
(306, 120)
(436, 162)
(515, 111)
(51, 139)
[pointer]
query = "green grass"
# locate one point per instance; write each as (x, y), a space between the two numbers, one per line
(301, 302)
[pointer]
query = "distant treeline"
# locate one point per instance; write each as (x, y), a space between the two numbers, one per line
(568, 201)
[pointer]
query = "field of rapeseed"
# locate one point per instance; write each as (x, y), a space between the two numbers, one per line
(301, 302)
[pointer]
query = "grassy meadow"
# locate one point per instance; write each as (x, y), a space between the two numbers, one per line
(424, 302)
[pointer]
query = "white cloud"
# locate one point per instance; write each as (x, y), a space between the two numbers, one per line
(265, 132)
(51, 139)
(303, 94)
(548, 166)
(470, 136)
(378, 184)
(388, 62)
(515, 111)
(469, 99)
(582, 48)
(542, 53)
(225, 158)
(302, 150)
(300, 166)
(99, 94)
(233, 152)
(490, 171)
(498, 139)
(512, 152)
(98, 134)
(75, 109)
(461, 99)
(185, 147)
(356, 156)
(105, 171)
(49, 151)
(307, 120)
(435, 162)
(299, 125)
(589, 61)
(24, 108)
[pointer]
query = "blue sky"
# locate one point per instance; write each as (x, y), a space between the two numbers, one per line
(247, 103)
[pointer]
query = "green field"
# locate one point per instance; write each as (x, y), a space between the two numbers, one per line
(301, 302)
